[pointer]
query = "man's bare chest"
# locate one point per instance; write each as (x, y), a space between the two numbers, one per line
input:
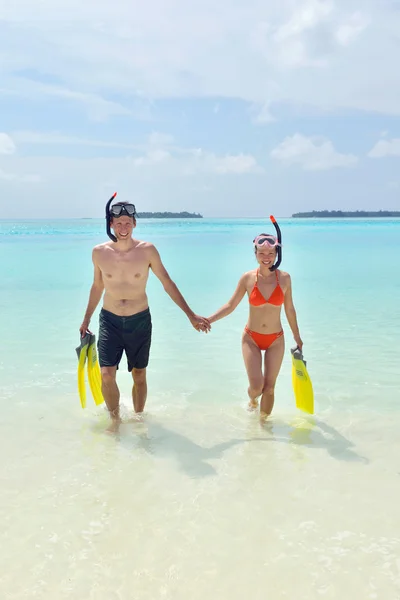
(124, 267)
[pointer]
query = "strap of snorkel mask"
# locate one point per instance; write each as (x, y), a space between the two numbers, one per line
(278, 248)
(108, 218)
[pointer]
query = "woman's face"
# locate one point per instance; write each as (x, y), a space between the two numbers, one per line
(266, 256)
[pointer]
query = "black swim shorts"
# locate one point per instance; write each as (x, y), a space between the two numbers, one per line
(132, 334)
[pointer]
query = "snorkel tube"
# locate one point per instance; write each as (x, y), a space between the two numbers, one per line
(278, 248)
(108, 218)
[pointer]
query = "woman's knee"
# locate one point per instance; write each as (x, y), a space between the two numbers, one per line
(269, 388)
(256, 386)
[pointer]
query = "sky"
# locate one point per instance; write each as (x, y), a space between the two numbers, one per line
(231, 108)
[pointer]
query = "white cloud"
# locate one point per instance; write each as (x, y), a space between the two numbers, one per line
(160, 139)
(385, 148)
(177, 161)
(153, 157)
(159, 151)
(263, 115)
(311, 153)
(57, 138)
(292, 38)
(348, 32)
(240, 164)
(308, 52)
(97, 108)
(7, 145)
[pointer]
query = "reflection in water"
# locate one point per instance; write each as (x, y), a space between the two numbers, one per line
(313, 432)
(151, 435)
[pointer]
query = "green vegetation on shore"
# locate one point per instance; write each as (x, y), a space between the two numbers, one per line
(169, 215)
(335, 214)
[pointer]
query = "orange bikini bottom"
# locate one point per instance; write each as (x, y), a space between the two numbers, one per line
(263, 340)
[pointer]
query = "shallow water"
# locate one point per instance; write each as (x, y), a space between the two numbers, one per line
(198, 499)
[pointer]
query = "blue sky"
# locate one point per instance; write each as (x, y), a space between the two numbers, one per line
(247, 109)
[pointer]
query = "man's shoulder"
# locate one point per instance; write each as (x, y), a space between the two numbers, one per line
(101, 247)
(145, 245)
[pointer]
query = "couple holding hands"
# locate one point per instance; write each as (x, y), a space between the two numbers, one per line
(121, 271)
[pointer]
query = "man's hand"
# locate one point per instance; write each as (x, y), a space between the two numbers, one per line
(200, 323)
(84, 327)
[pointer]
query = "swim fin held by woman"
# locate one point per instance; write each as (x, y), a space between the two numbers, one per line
(268, 289)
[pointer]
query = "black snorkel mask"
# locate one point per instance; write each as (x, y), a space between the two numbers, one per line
(119, 210)
(265, 239)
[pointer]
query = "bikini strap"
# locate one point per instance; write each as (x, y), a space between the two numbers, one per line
(255, 283)
(277, 278)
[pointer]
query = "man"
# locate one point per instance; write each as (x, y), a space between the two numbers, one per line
(121, 269)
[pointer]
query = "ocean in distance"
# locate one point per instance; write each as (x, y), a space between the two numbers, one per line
(198, 499)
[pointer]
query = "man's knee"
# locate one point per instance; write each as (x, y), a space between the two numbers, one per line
(139, 375)
(108, 374)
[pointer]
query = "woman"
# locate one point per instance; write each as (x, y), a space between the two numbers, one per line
(268, 290)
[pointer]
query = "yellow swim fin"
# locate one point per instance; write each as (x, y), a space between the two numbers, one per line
(93, 369)
(302, 385)
(81, 351)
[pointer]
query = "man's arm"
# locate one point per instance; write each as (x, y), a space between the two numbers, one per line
(172, 290)
(96, 292)
(291, 312)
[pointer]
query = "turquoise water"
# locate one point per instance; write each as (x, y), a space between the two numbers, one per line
(344, 283)
(197, 466)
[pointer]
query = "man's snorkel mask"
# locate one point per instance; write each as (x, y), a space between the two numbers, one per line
(117, 210)
(266, 239)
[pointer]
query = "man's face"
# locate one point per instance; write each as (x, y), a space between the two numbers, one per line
(122, 226)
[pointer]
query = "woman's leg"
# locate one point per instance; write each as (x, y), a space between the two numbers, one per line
(252, 360)
(272, 365)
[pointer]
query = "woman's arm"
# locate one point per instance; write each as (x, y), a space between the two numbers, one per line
(290, 312)
(230, 306)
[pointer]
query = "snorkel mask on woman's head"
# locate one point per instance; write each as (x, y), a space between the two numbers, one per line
(118, 210)
(266, 239)
(270, 241)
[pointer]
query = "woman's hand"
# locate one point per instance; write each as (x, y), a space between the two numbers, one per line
(299, 341)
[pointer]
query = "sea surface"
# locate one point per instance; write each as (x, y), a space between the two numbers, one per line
(197, 500)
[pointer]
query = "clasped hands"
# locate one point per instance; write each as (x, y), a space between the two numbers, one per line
(200, 323)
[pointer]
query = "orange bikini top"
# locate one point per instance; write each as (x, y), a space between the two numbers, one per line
(276, 298)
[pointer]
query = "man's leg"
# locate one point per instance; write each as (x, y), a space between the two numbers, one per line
(110, 349)
(110, 390)
(137, 347)
(139, 390)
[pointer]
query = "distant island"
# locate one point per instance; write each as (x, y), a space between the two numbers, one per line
(169, 215)
(338, 214)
